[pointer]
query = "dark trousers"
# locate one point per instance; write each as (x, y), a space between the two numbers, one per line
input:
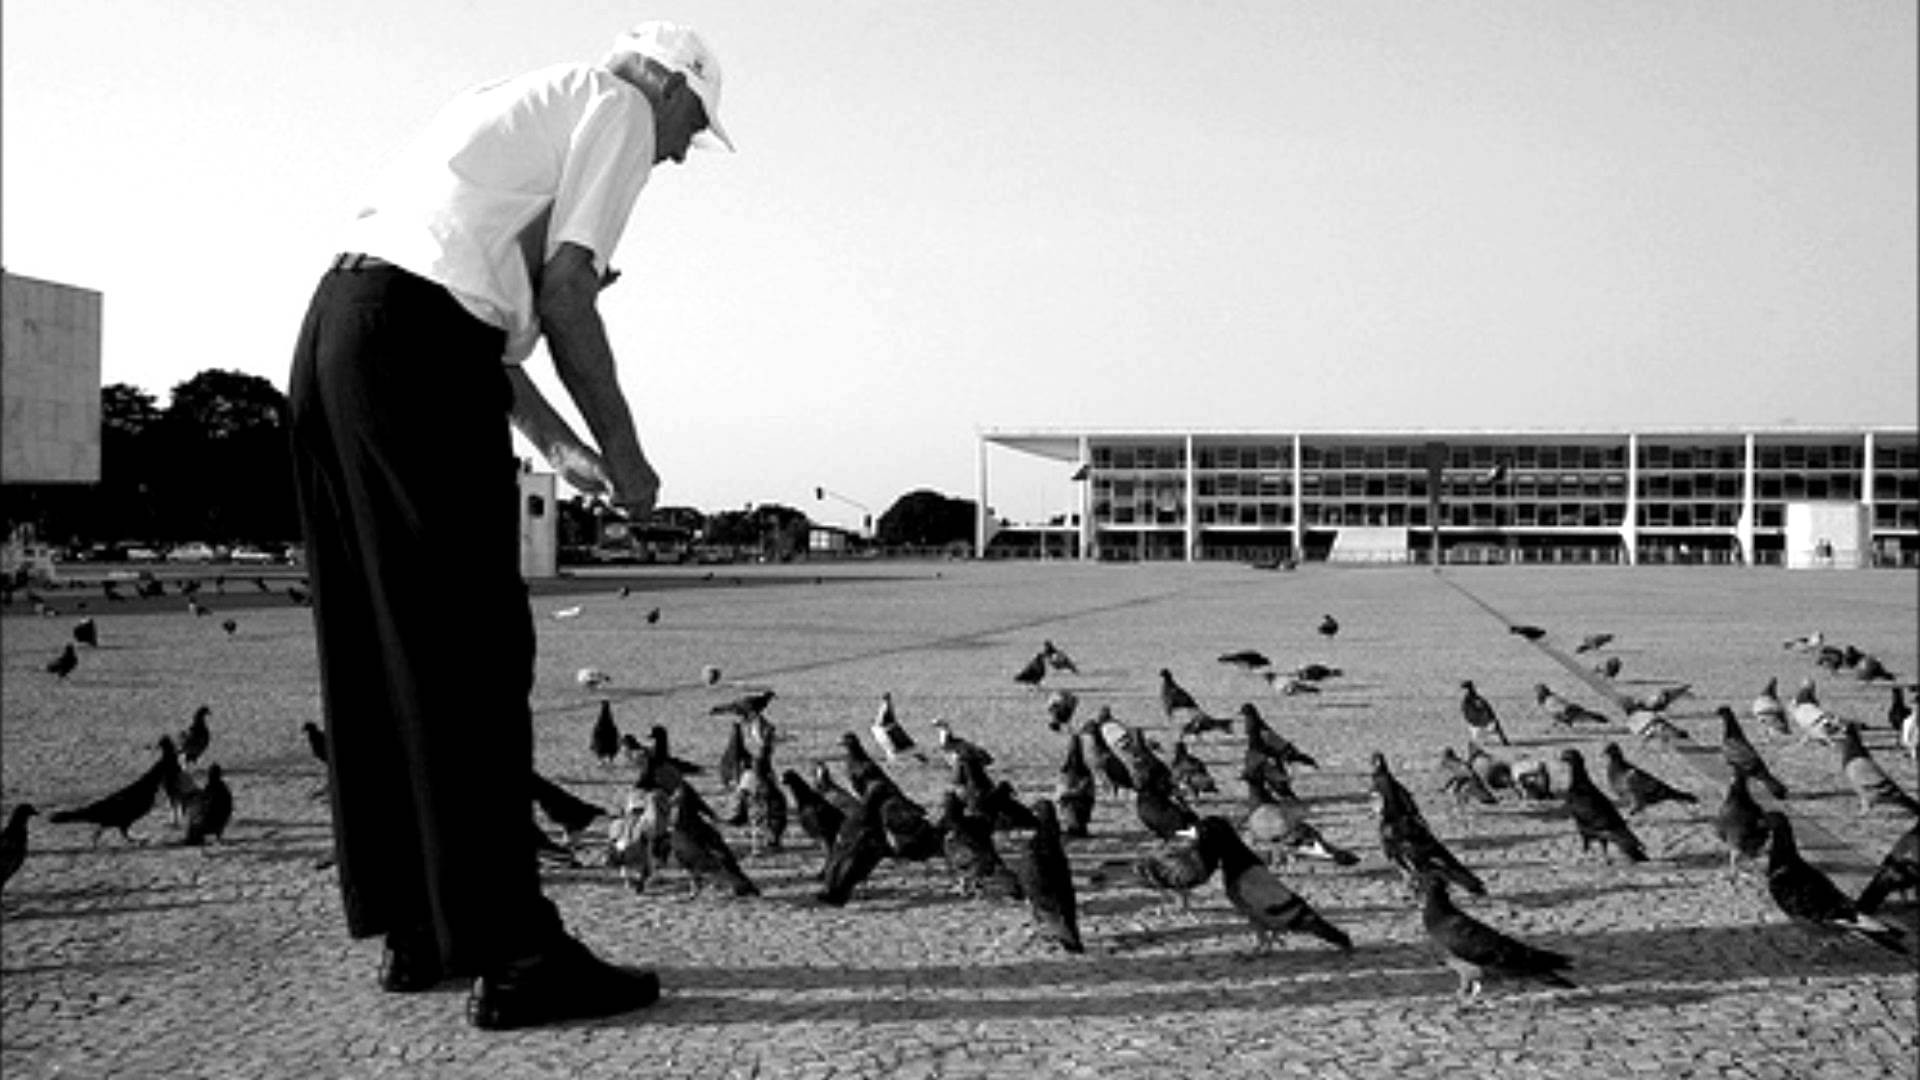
(404, 466)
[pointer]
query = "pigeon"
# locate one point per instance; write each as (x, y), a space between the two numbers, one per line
(1266, 902)
(196, 736)
(889, 736)
(120, 809)
(209, 810)
(1175, 869)
(1190, 774)
(1288, 684)
(734, 760)
(1142, 763)
(662, 757)
(1869, 781)
(1636, 787)
(1563, 712)
(709, 674)
(230, 626)
(592, 678)
(1034, 671)
(1813, 720)
(1532, 780)
(700, 849)
(1531, 633)
(830, 790)
(857, 850)
(1870, 669)
(1478, 953)
(1246, 659)
(745, 706)
(1811, 899)
(967, 842)
(199, 609)
(1173, 696)
(1742, 758)
(637, 839)
(1592, 642)
(1458, 779)
(764, 802)
(1046, 877)
(1608, 668)
(1898, 872)
(1329, 626)
(653, 616)
(1105, 764)
(1662, 699)
(1596, 819)
(911, 835)
(817, 817)
(316, 741)
(87, 633)
(64, 664)
(1073, 792)
(176, 784)
(604, 739)
(1768, 711)
(1740, 824)
(862, 771)
(1479, 714)
(1898, 710)
(1200, 723)
(1262, 738)
(13, 841)
(570, 812)
(1057, 660)
(1160, 809)
(1405, 838)
(956, 749)
(299, 595)
(1282, 825)
(1651, 723)
(1316, 672)
(567, 612)
(1496, 774)
(1805, 642)
(1060, 707)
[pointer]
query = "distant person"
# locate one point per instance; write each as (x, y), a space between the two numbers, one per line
(492, 230)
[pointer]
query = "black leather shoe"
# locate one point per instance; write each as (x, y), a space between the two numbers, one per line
(567, 982)
(410, 964)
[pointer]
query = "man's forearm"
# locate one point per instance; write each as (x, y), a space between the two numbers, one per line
(583, 359)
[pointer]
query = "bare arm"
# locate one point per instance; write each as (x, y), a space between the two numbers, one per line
(583, 358)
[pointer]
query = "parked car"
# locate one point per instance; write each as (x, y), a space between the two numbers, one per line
(141, 553)
(249, 555)
(193, 553)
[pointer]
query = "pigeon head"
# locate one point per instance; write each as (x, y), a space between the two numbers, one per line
(1574, 761)
(1612, 752)
(1780, 836)
(1466, 684)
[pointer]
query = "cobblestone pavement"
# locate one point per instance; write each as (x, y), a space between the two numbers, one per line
(154, 960)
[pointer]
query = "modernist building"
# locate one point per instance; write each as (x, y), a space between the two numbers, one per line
(1708, 495)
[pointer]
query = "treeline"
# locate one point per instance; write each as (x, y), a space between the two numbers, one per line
(213, 464)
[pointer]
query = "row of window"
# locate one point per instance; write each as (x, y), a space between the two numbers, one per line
(1720, 456)
(1607, 515)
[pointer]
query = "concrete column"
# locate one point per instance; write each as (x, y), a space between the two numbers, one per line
(1866, 494)
(1748, 511)
(980, 504)
(1630, 529)
(1299, 506)
(1086, 501)
(1192, 508)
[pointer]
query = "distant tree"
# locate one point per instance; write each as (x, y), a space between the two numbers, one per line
(781, 530)
(926, 518)
(229, 464)
(732, 528)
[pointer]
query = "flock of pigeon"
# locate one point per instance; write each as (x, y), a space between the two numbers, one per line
(997, 844)
(87, 632)
(1000, 845)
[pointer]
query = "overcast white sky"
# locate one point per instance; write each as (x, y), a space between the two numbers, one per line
(948, 216)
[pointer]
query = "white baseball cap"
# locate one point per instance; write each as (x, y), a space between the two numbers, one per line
(679, 48)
